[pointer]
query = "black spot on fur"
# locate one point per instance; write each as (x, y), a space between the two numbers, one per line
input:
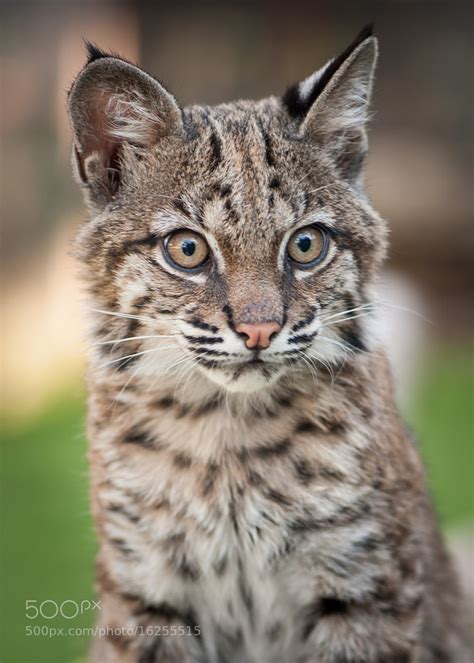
(279, 448)
(180, 206)
(165, 402)
(182, 460)
(254, 478)
(277, 497)
(335, 426)
(209, 363)
(205, 351)
(204, 340)
(330, 473)
(121, 510)
(285, 400)
(304, 471)
(268, 149)
(166, 311)
(216, 149)
(196, 322)
(208, 406)
(160, 615)
(298, 107)
(306, 426)
(304, 322)
(332, 606)
(209, 479)
(274, 183)
(233, 514)
(122, 546)
(139, 437)
(302, 338)
(226, 309)
(304, 524)
(187, 570)
(231, 213)
(149, 240)
(244, 589)
(139, 302)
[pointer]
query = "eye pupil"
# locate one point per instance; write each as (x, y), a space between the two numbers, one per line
(304, 243)
(188, 247)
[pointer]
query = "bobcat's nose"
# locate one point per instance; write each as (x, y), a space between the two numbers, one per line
(258, 334)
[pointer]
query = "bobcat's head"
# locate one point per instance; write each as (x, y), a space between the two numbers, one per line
(234, 242)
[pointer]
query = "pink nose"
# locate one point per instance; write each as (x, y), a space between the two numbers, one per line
(258, 334)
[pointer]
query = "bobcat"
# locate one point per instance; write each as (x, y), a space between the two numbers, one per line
(256, 495)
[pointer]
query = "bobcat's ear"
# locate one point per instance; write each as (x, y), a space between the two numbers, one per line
(115, 109)
(332, 105)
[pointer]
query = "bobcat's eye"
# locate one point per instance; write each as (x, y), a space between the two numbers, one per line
(308, 246)
(186, 249)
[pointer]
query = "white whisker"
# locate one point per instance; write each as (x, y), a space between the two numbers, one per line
(370, 306)
(134, 338)
(407, 310)
(124, 315)
(312, 368)
(132, 316)
(321, 188)
(351, 317)
(135, 354)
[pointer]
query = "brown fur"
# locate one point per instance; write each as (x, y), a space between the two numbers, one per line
(266, 511)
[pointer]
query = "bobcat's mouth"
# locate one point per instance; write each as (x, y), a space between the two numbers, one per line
(254, 364)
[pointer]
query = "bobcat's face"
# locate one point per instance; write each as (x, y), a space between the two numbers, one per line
(232, 241)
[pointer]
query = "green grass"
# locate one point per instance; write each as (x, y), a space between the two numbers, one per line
(48, 543)
(442, 418)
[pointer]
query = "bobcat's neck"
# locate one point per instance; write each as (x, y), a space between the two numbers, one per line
(202, 421)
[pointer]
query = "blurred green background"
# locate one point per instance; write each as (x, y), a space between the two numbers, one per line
(419, 176)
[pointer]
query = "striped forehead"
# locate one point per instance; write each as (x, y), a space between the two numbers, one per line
(238, 187)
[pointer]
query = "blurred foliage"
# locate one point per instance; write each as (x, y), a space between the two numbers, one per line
(48, 537)
(442, 418)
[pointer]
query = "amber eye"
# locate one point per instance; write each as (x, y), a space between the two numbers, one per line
(308, 246)
(186, 249)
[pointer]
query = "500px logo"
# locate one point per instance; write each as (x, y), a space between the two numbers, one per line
(50, 609)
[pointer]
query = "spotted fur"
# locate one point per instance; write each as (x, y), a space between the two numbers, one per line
(251, 505)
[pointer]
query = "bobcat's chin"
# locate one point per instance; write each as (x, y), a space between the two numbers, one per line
(247, 378)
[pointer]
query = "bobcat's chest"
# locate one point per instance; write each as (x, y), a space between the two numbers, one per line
(236, 569)
(231, 537)
(227, 546)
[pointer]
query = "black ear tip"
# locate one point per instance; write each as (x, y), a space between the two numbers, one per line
(366, 32)
(94, 52)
